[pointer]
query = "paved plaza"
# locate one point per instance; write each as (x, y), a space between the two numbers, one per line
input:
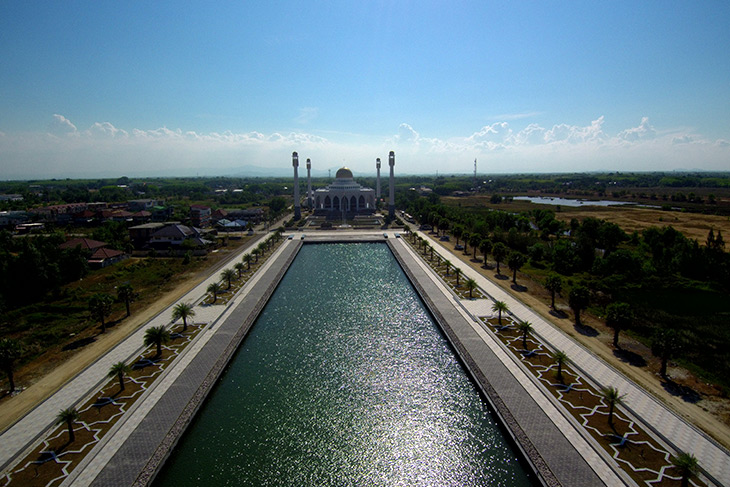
(557, 447)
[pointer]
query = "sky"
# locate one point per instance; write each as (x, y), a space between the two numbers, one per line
(110, 89)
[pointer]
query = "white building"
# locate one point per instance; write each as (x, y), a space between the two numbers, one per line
(344, 196)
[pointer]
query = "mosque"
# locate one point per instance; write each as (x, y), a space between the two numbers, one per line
(344, 197)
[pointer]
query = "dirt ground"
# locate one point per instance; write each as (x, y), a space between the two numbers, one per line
(43, 378)
(692, 225)
(696, 401)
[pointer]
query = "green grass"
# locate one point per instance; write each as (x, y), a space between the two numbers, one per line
(63, 318)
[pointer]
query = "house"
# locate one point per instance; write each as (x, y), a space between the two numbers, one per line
(177, 237)
(140, 235)
(200, 216)
(103, 257)
(84, 243)
(253, 215)
(143, 204)
(99, 255)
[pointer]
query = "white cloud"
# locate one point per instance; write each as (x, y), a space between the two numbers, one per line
(60, 126)
(104, 149)
(575, 134)
(643, 132)
(406, 134)
(106, 129)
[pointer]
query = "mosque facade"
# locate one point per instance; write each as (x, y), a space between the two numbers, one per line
(344, 197)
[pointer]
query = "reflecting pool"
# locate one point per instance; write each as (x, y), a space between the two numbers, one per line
(344, 380)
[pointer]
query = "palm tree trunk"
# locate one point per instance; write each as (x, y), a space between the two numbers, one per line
(121, 382)
(663, 368)
(126, 303)
(11, 379)
(71, 434)
(610, 414)
(552, 297)
(615, 337)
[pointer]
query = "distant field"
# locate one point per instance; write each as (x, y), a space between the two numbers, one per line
(693, 225)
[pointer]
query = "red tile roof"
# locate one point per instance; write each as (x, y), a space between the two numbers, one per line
(84, 243)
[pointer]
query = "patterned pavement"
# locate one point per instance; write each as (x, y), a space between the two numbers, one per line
(553, 442)
(668, 426)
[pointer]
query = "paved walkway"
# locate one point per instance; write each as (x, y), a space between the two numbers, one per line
(140, 442)
(27, 431)
(713, 458)
(551, 440)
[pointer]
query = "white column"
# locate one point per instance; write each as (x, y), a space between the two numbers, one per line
(377, 179)
(309, 184)
(391, 196)
(297, 203)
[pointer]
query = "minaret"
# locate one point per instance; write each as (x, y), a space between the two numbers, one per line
(391, 197)
(377, 181)
(297, 203)
(309, 183)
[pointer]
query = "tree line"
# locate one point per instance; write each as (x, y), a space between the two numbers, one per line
(670, 291)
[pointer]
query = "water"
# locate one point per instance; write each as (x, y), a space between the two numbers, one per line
(344, 380)
(542, 200)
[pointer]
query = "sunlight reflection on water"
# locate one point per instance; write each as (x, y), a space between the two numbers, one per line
(344, 380)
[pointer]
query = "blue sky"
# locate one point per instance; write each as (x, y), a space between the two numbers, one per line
(171, 88)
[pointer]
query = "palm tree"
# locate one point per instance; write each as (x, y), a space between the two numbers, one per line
(474, 241)
(665, 344)
(471, 285)
(430, 247)
(561, 358)
(500, 307)
(578, 300)
(687, 465)
(447, 263)
(515, 261)
(156, 335)
(10, 351)
(247, 259)
(68, 416)
(100, 305)
(618, 316)
(183, 311)
(466, 236)
(613, 398)
(485, 246)
(525, 328)
(119, 370)
(499, 252)
(554, 284)
(214, 289)
(126, 293)
(256, 253)
(457, 273)
(240, 268)
(458, 231)
(228, 275)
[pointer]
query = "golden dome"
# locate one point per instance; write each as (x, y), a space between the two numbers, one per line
(343, 173)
